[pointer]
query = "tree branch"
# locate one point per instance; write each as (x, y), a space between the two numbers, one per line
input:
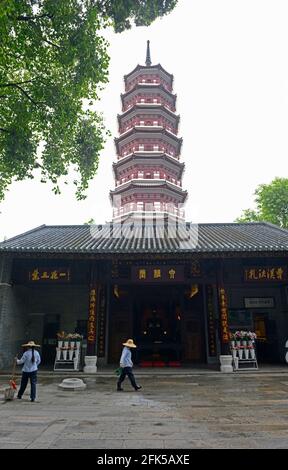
(5, 130)
(29, 18)
(52, 43)
(15, 85)
(26, 94)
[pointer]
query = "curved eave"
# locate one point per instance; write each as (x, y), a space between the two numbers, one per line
(163, 131)
(131, 185)
(146, 87)
(138, 107)
(134, 248)
(145, 67)
(162, 157)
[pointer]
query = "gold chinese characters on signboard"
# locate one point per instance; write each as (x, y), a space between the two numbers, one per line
(158, 273)
(224, 315)
(142, 274)
(49, 275)
(274, 273)
(91, 334)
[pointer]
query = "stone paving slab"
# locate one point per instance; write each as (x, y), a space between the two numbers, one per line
(230, 411)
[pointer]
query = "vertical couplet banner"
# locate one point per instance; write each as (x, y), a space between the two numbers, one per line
(92, 316)
(101, 322)
(223, 302)
(211, 322)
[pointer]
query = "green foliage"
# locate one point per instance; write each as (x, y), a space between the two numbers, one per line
(142, 13)
(248, 215)
(90, 222)
(272, 204)
(52, 60)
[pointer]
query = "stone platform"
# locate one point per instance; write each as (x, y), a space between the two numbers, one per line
(196, 410)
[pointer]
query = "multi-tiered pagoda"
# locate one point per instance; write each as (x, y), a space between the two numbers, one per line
(148, 171)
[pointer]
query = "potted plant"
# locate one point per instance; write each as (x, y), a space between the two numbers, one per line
(244, 338)
(238, 337)
(61, 335)
(232, 339)
(78, 338)
(70, 339)
(251, 338)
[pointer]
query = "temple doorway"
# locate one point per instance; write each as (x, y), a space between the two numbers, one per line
(157, 328)
(168, 325)
(166, 322)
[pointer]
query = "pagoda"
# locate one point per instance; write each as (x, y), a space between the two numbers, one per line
(148, 171)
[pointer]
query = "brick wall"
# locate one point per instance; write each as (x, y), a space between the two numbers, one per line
(24, 309)
(12, 324)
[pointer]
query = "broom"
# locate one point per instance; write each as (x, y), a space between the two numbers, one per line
(10, 392)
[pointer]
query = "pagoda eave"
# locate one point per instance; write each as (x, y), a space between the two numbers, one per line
(144, 184)
(150, 87)
(144, 157)
(161, 161)
(143, 107)
(146, 68)
(153, 133)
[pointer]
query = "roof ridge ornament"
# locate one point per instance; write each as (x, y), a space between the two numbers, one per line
(148, 56)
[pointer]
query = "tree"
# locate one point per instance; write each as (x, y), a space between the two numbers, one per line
(90, 222)
(272, 204)
(53, 60)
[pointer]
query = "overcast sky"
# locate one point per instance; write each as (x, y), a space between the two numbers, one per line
(229, 59)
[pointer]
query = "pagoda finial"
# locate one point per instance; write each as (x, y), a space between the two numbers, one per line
(148, 57)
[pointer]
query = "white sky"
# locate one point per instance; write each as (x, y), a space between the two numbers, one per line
(229, 59)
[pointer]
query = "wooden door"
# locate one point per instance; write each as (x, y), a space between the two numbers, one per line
(49, 341)
(191, 340)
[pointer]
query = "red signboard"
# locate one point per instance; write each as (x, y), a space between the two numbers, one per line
(158, 274)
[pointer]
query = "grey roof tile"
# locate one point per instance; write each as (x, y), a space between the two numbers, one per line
(108, 238)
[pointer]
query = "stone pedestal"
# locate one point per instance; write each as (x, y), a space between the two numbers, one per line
(90, 364)
(72, 384)
(226, 363)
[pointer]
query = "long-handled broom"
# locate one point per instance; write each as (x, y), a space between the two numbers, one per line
(10, 392)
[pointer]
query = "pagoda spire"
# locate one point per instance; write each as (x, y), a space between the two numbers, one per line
(148, 57)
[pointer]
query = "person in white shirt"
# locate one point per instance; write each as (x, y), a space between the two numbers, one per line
(30, 360)
(126, 364)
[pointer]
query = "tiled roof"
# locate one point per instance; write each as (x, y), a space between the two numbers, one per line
(139, 67)
(188, 238)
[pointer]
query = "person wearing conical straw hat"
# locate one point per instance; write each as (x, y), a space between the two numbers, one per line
(126, 364)
(30, 360)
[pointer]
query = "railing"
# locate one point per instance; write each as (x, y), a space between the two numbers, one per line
(132, 208)
(154, 152)
(144, 103)
(148, 127)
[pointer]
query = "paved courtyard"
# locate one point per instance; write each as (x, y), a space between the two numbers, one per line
(212, 410)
